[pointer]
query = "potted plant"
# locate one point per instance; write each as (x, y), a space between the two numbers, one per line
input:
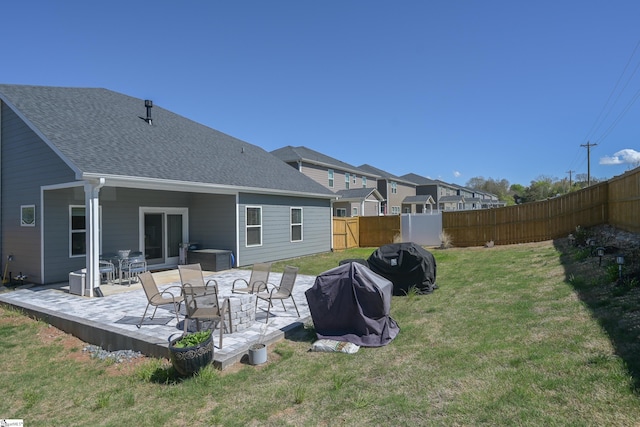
(191, 352)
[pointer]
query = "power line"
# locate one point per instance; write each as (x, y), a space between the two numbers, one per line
(596, 125)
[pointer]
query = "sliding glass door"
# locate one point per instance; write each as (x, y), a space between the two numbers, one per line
(162, 231)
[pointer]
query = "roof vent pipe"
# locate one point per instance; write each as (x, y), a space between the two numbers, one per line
(148, 104)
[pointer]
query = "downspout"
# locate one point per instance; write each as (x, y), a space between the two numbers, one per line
(237, 230)
(92, 206)
(1, 245)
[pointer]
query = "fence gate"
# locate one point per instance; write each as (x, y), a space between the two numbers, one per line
(346, 233)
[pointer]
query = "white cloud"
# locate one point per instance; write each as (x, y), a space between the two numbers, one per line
(626, 156)
(457, 174)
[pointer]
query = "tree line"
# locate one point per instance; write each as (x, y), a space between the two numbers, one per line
(542, 188)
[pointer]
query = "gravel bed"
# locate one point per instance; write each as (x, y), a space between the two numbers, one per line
(117, 356)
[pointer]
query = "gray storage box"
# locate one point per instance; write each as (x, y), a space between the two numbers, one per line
(211, 259)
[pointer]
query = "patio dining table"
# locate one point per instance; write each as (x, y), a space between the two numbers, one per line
(119, 260)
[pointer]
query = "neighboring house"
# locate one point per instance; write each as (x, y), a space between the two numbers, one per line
(419, 204)
(357, 202)
(451, 196)
(86, 171)
(394, 189)
(357, 189)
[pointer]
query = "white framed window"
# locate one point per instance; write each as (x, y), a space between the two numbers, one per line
(364, 182)
(253, 219)
(77, 231)
(347, 181)
(341, 212)
(354, 211)
(395, 210)
(296, 224)
(330, 177)
(394, 187)
(354, 178)
(28, 215)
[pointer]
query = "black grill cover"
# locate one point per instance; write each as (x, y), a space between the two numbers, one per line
(351, 303)
(405, 265)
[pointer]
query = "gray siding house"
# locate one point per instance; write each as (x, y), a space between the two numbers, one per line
(449, 197)
(355, 188)
(87, 171)
(395, 191)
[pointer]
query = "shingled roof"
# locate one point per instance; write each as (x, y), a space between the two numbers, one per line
(292, 154)
(384, 174)
(98, 132)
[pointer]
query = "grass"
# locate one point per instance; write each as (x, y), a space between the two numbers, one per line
(517, 335)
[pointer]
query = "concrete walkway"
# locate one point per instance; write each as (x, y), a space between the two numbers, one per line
(95, 320)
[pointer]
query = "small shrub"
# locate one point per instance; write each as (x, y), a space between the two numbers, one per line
(582, 235)
(612, 271)
(445, 240)
(191, 340)
(582, 254)
(576, 282)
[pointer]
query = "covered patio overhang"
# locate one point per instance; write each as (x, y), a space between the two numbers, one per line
(94, 184)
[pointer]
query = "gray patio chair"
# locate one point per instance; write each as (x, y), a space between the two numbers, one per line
(192, 274)
(157, 298)
(133, 267)
(282, 292)
(107, 269)
(257, 281)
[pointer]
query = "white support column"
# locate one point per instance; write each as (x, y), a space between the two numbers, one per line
(92, 206)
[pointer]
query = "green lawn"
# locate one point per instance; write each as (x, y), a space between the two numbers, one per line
(518, 335)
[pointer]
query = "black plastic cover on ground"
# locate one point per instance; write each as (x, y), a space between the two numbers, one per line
(406, 265)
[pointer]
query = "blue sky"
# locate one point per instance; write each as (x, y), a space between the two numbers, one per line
(450, 90)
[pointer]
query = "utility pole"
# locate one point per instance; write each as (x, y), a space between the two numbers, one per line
(588, 145)
(570, 172)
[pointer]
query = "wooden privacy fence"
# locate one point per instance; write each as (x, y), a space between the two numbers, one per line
(624, 201)
(615, 202)
(365, 231)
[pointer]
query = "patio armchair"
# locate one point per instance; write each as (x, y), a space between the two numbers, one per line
(157, 298)
(192, 274)
(201, 299)
(257, 281)
(202, 304)
(282, 292)
(133, 267)
(107, 269)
